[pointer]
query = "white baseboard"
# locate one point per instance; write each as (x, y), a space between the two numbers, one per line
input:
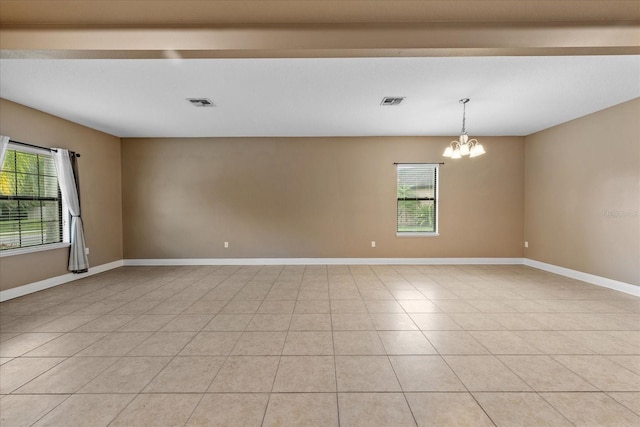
(55, 281)
(322, 261)
(574, 274)
(616, 285)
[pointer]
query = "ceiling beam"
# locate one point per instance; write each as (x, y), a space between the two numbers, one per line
(336, 40)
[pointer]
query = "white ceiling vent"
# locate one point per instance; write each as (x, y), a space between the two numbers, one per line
(391, 100)
(201, 102)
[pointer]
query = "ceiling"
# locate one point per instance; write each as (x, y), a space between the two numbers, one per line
(318, 68)
(321, 96)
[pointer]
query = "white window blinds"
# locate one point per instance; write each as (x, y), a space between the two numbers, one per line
(30, 204)
(417, 191)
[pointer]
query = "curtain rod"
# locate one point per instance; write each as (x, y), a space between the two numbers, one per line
(42, 148)
(418, 163)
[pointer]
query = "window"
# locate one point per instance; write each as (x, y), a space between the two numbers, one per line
(31, 211)
(417, 190)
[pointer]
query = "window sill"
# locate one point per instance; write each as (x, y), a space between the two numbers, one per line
(417, 234)
(31, 249)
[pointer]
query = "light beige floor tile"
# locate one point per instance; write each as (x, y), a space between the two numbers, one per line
(115, 344)
(455, 342)
(383, 306)
(434, 322)
(491, 306)
(405, 342)
(337, 292)
(393, 322)
(202, 307)
(241, 307)
(352, 322)
(485, 373)
(503, 342)
(312, 307)
(376, 294)
(425, 373)
(543, 373)
(592, 409)
(163, 344)
(630, 337)
(66, 323)
(602, 372)
(552, 342)
(106, 323)
(186, 374)
(520, 409)
(301, 409)
(23, 343)
(407, 294)
(308, 343)
(24, 410)
(310, 322)
(226, 410)
(22, 370)
(27, 323)
(147, 323)
(517, 322)
(127, 375)
(357, 343)
(476, 322)
(229, 322)
(447, 409)
(312, 294)
(601, 342)
(173, 306)
(211, 344)
(4, 336)
(187, 323)
(631, 400)
(632, 363)
(419, 306)
(66, 345)
(365, 373)
(157, 410)
(277, 307)
(260, 343)
(455, 306)
(374, 409)
(269, 322)
(4, 360)
(241, 374)
(81, 410)
(347, 306)
(136, 307)
(305, 374)
(68, 376)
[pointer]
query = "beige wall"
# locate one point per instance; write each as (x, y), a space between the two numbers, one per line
(312, 197)
(582, 194)
(100, 187)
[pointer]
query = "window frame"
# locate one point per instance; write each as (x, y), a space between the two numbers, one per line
(435, 198)
(63, 211)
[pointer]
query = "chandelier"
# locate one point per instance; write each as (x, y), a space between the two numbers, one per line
(463, 146)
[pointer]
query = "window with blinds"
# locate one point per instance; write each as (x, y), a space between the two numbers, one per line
(30, 201)
(417, 190)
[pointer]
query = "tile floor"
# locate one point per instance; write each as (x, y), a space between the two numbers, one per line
(321, 345)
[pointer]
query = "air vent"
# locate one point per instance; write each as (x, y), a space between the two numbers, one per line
(201, 102)
(391, 100)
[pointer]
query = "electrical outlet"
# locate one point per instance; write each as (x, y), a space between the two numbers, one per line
(373, 243)
(526, 244)
(86, 251)
(226, 244)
